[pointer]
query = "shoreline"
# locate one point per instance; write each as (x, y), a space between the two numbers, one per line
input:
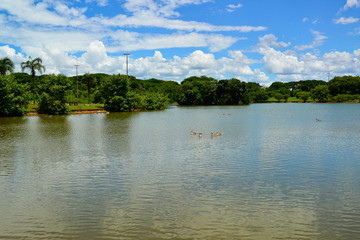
(77, 111)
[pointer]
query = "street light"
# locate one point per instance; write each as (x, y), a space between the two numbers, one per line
(127, 64)
(77, 82)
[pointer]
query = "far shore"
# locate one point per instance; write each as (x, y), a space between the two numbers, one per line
(102, 111)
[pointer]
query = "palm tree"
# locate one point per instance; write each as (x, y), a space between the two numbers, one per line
(33, 66)
(6, 65)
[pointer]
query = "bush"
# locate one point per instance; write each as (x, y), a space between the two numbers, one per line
(53, 95)
(13, 97)
(303, 96)
(154, 101)
(321, 93)
(346, 97)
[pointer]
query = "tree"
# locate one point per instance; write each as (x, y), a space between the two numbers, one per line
(6, 65)
(232, 92)
(33, 65)
(344, 85)
(303, 96)
(321, 93)
(13, 97)
(53, 95)
(279, 96)
(260, 95)
(90, 83)
(115, 91)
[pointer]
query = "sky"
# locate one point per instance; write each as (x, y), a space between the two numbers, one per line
(252, 40)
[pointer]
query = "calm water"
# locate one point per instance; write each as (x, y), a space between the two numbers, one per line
(276, 173)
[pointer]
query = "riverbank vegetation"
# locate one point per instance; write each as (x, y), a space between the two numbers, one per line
(59, 94)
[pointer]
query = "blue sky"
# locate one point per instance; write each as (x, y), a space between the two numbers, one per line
(252, 40)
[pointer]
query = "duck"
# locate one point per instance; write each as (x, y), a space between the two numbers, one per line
(200, 135)
(318, 120)
(192, 133)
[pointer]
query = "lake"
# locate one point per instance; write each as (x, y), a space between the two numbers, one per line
(275, 173)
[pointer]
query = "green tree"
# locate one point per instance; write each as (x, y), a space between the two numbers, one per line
(13, 97)
(303, 95)
(260, 95)
(154, 101)
(321, 93)
(6, 65)
(279, 96)
(115, 92)
(344, 85)
(33, 65)
(232, 92)
(90, 81)
(53, 95)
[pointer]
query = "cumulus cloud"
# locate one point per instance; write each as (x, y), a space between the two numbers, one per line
(345, 21)
(277, 62)
(270, 40)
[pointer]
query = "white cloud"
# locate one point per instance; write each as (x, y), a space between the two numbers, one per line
(357, 53)
(351, 4)
(259, 76)
(24, 11)
(128, 41)
(233, 7)
(58, 25)
(165, 8)
(101, 3)
(277, 62)
(315, 21)
(9, 52)
(318, 41)
(152, 19)
(270, 40)
(345, 21)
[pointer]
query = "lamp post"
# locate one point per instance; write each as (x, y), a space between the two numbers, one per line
(127, 64)
(77, 82)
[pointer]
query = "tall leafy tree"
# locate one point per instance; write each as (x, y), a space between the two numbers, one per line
(90, 83)
(13, 97)
(52, 99)
(6, 65)
(33, 65)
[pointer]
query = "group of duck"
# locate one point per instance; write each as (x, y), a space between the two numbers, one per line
(216, 134)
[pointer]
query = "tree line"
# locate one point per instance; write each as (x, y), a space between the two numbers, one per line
(51, 94)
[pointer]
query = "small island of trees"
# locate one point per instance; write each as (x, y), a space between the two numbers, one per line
(55, 94)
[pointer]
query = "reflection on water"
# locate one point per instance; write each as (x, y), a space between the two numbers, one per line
(276, 173)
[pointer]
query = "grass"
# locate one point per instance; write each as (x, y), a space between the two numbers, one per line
(290, 99)
(81, 106)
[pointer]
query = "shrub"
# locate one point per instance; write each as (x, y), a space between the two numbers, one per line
(13, 97)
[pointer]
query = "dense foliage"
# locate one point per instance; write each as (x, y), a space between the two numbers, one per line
(118, 96)
(52, 98)
(208, 91)
(13, 97)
